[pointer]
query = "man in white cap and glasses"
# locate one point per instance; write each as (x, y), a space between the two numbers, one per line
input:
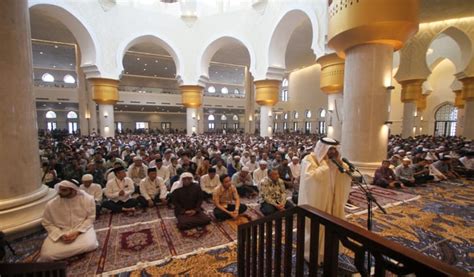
(242, 180)
(93, 189)
(69, 220)
(322, 185)
(260, 173)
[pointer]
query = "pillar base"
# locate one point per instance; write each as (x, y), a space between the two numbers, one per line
(367, 168)
(24, 212)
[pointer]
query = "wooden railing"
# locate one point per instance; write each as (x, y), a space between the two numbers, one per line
(56, 269)
(260, 245)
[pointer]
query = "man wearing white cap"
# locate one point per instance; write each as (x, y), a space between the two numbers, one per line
(69, 220)
(322, 185)
(93, 189)
(137, 171)
(405, 173)
(260, 173)
(244, 184)
(295, 168)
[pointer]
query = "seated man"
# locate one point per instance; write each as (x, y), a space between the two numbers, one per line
(187, 200)
(284, 172)
(119, 191)
(94, 190)
(260, 173)
(137, 171)
(227, 200)
(385, 177)
(273, 194)
(209, 183)
(244, 184)
(468, 162)
(444, 166)
(421, 171)
(152, 190)
(405, 173)
(69, 220)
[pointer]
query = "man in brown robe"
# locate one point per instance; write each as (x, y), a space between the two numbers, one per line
(187, 200)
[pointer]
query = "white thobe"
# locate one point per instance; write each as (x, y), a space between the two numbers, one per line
(66, 215)
(94, 190)
(150, 189)
(137, 173)
(323, 187)
(208, 185)
(258, 175)
(220, 171)
(164, 173)
(251, 166)
(295, 169)
(114, 186)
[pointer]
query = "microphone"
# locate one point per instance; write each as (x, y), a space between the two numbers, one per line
(351, 165)
(339, 166)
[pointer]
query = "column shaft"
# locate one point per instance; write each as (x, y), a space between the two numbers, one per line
(106, 120)
(366, 101)
(249, 103)
(468, 116)
(22, 197)
(266, 121)
(191, 121)
(335, 115)
(409, 110)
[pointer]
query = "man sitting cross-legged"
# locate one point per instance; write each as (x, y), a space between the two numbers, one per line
(152, 190)
(69, 220)
(94, 190)
(187, 200)
(227, 200)
(273, 194)
(118, 191)
(209, 183)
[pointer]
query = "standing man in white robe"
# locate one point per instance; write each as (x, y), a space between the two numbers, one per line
(69, 220)
(323, 186)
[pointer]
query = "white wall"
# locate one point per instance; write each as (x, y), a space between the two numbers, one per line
(303, 94)
(128, 119)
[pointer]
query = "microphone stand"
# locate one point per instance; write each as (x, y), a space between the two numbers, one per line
(370, 199)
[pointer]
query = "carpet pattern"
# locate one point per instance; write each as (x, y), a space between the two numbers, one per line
(148, 243)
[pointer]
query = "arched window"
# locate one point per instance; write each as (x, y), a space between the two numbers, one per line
(50, 115)
(322, 114)
(236, 91)
(308, 114)
(48, 78)
(284, 95)
(285, 116)
(211, 89)
(211, 117)
(295, 115)
(235, 118)
(445, 120)
(223, 117)
(68, 79)
(224, 90)
(211, 125)
(284, 83)
(72, 115)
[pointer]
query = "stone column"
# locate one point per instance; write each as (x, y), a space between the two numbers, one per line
(267, 92)
(83, 96)
(468, 96)
(332, 83)
(105, 94)
(420, 108)
(459, 103)
(363, 34)
(22, 196)
(411, 92)
(249, 103)
(191, 96)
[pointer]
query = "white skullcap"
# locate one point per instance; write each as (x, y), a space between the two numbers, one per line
(137, 158)
(236, 157)
(406, 159)
(87, 177)
(262, 162)
(66, 184)
(295, 158)
(186, 175)
(246, 169)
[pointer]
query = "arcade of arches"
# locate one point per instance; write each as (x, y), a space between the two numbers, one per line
(104, 68)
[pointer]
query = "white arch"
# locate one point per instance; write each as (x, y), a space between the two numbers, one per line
(462, 40)
(147, 37)
(81, 31)
(288, 21)
(218, 42)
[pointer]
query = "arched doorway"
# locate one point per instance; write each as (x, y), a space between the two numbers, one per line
(445, 120)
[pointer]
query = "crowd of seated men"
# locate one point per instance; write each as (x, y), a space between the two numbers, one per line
(425, 159)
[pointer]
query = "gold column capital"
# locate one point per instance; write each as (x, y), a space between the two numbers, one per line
(421, 102)
(353, 22)
(267, 92)
(467, 88)
(459, 99)
(191, 95)
(332, 73)
(104, 91)
(411, 90)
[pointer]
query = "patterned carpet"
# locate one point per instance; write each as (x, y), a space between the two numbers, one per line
(439, 224)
